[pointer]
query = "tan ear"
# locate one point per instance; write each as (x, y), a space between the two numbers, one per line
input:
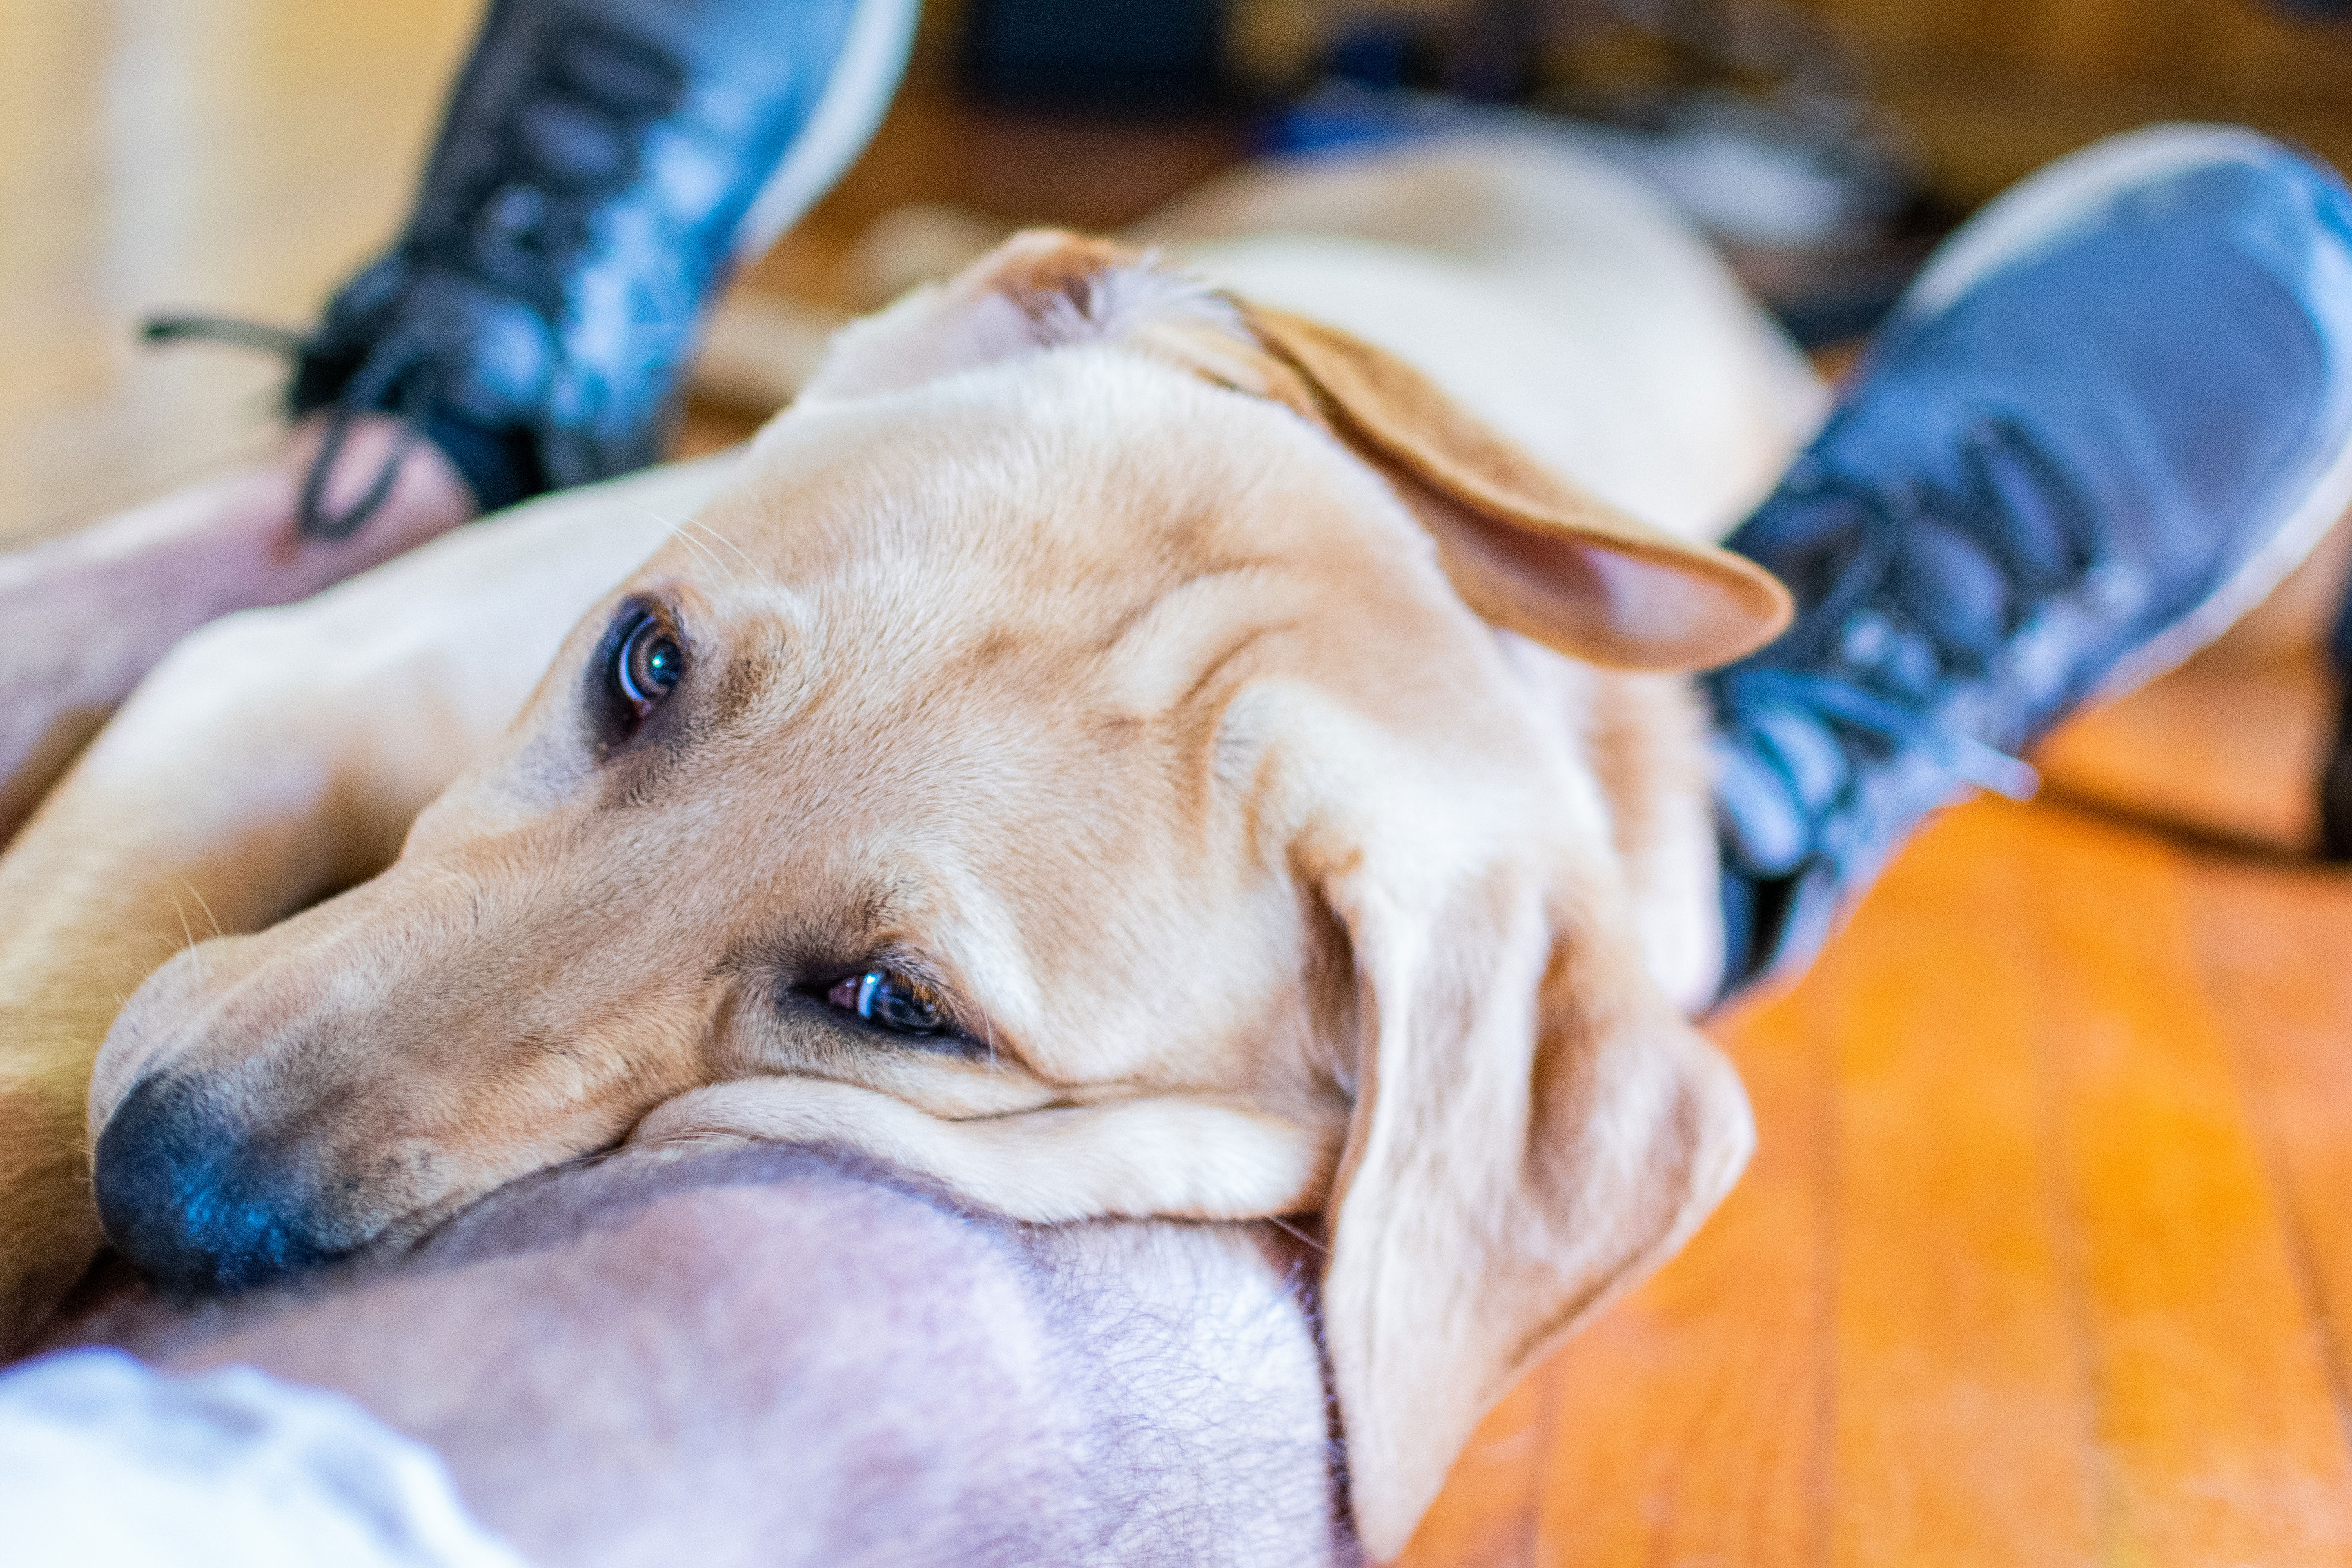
(1535, 1130)
(1041, 289)
(1524, 547)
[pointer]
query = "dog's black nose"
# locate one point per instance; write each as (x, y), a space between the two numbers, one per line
(189, 1199)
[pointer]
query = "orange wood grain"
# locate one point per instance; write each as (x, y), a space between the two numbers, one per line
(2220, 1434)
(2224, 748)
(2277, 949)
(2043, 1259)
(1487, 1516)
(1960, 1436)
(1694, 1418)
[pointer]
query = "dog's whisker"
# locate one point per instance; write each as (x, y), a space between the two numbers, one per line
(186, 930)
(171, 949)
(713, 533)
(210, 919)
(678, 531)
(675, 526)
(1296, 1234)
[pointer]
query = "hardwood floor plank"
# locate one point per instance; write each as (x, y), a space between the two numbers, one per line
(1486, 1517)
(1962, 1409)
(1692, 1417)
(2219, 1433)
(2217, 747)
(2277, 949)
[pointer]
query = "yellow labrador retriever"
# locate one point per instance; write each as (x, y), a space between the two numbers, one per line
(1139, 736)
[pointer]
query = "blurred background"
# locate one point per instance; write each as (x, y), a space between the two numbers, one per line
(248, 154)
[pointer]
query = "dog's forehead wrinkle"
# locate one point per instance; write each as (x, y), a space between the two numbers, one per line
(1170, 647)
(1352, 781)
(1245, 753)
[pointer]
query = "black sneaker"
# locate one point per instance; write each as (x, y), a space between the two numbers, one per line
(2112, 411)
(601, 166)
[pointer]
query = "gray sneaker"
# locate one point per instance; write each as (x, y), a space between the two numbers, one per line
(2112, 411)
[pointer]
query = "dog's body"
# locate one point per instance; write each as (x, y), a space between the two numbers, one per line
(1074, 653)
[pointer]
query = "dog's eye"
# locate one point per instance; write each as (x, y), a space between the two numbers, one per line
(647, 665)
(898, 1003)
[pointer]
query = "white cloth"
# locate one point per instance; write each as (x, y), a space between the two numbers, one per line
(106, 1461)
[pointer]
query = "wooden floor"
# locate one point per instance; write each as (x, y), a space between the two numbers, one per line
(2045, 1257)
(2046, 1254)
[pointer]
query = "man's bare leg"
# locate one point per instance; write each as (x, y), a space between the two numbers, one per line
(92, 612)
(778, 1354)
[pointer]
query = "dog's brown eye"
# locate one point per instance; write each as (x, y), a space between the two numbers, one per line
(647, 664)
(898, 1003)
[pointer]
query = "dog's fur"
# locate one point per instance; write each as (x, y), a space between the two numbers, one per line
(1103, 648)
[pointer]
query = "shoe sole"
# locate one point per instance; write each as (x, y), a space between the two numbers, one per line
(2042, 208)
(864, 82)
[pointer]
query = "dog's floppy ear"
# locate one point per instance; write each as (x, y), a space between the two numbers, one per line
(1535, 1128)
(1525, 548)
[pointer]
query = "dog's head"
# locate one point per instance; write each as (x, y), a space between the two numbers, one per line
(1074, 758)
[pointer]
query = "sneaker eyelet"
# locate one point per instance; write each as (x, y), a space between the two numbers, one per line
(514, 210)
(1864, 638)
(2109, 587)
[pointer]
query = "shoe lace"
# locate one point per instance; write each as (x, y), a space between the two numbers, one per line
(569, 142)
(410, 372)
(1867, 668)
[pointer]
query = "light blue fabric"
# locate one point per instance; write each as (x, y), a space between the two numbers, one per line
(106, 1463)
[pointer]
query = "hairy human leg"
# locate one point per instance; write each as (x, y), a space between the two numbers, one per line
(274, 757)
(94, 610)
(781, 1355)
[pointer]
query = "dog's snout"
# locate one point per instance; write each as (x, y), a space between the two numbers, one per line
(190, 1201)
